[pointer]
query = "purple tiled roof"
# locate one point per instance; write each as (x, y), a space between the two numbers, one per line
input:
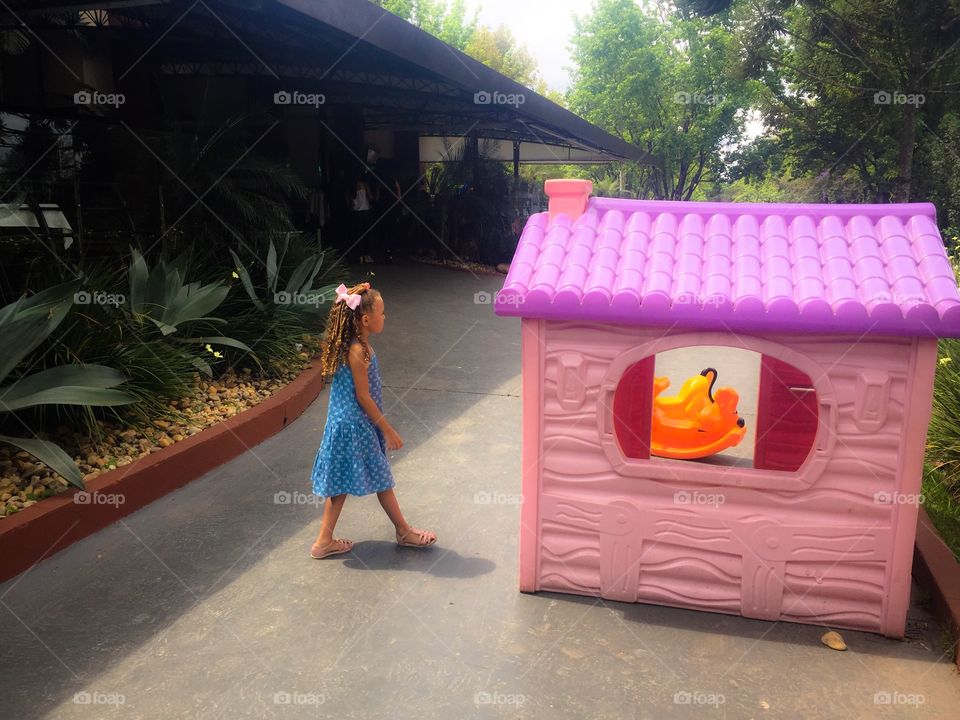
(735, 266)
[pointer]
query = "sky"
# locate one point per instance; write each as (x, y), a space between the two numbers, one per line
(544, 26)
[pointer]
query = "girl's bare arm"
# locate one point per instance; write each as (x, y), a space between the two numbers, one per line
(358, 368)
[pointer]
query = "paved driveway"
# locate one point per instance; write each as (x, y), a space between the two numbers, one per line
(206, 605)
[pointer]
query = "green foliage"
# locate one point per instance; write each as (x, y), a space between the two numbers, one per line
(101, 334)
(940, 152)
(161, 331)
(951, 238)
(278, 337)
(161, 297)
(496, 48)
(838, 78)
(403, 8)
(943, 508)
(217, 185)
(30, 156)
(785, 187)
(943, 436)
(456, 28)
(450, 22)
(279, 302)
(176, 308)
(158, 370)
(941, 478)
(468, 195)
(25, 324)
(500, 50)
(664, 84)
(299, 284)
(13, 42)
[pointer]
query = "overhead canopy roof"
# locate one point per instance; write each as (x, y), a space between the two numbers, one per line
(354, 53)
(444, 149)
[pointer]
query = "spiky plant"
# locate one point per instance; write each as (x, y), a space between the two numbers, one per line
(282, 299)
(24, 325)
(177, 309)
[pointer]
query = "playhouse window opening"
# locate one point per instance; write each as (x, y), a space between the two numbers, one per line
(717, 405)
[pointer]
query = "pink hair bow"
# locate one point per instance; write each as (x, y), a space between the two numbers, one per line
(352, 301)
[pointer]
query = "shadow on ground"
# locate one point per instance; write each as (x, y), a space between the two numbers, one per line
(127, 589)
(206, 603)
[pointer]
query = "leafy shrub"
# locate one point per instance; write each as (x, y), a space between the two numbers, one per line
(25, 324)
(276, 303)
(176, 308)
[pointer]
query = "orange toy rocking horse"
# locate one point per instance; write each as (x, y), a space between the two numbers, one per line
(696, 422)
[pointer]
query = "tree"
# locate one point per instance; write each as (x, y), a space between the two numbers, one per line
(496, 48)
(499, 49)
(939, 153)
(852, 84)
(450, 22)
(663, 83)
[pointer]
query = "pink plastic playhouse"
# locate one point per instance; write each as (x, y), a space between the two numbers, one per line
(842, 305)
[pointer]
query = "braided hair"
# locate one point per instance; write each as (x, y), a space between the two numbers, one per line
(343, 326)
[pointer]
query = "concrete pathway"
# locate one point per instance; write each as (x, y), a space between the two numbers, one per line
(206, 605)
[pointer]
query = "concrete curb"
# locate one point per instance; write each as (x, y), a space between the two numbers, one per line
(55, 523)
(936, 568)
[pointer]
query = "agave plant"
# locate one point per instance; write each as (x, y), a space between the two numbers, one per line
(25, 324)
(161, 297)
(298, 293)
(281, 310)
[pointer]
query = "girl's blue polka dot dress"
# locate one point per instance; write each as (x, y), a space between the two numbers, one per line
(352, 456)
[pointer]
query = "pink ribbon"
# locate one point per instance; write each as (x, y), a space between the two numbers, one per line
(352, 301)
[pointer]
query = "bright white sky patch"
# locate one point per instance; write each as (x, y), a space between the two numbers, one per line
(544, 26)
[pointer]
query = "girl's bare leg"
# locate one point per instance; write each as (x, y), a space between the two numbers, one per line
(388, 500)
(331, 513)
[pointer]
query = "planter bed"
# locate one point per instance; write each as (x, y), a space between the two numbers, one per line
(54, 523)
(937, 571)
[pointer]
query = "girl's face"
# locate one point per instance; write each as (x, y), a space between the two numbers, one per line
(374, 319)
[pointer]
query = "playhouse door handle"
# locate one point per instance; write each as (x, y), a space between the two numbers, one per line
(827, 432)
(606, 410)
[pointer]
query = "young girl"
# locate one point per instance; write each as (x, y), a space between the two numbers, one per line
(352, 456)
